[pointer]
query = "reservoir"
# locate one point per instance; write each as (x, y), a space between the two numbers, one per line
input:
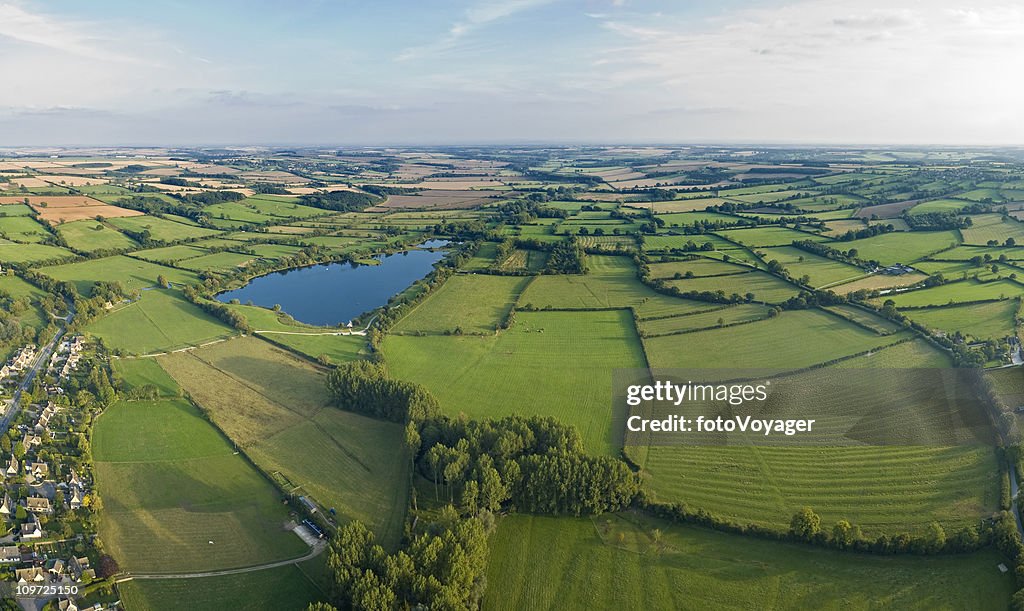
(336, 293)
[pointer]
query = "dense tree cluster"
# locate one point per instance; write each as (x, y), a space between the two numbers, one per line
(342, 201)
(534, 464)
(567, 257)
(441, 567)
(365, 388)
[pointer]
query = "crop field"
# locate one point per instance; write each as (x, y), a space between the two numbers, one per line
(543, 365)
(883, 489)
(160, 228)
(22, 229)
(905, 248)
(474, 303)
(57, 210)
(285, 589)
(160, 320)
(992, 320)
(958, 292)
(171, 484)
(133, 274)
(785, 342)
(822, 271)
(765, 287)
(917, 353)
(694, 568)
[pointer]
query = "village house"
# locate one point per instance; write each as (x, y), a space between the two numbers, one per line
(10, 554)
(76, 498)
(38, 470)
(38, 504)
(7, 508)
(56, 567)
(30, 441)
(66, 604)
(31, 528)
(13, 466)
(81, 570)
(34, 574)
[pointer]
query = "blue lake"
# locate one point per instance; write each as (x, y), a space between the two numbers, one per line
(338, 292)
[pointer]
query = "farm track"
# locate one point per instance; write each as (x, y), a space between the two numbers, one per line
(315, 551)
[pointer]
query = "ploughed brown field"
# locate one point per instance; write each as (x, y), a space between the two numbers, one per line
(56, 209)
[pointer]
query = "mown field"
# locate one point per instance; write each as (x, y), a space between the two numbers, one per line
(275, 406)
(548, 363)
(613, 563)
(132, 274)
(788, 341)
(171, 484)
(286, 588)
(160, 320)
(472, 303)
(991, 320)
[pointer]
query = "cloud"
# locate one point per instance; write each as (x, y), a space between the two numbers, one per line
(474, 18)
(33, 28)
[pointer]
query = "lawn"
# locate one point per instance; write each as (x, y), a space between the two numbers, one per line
(171, 484)
(132, 274)
(612, 563)
(993, 320)
(88, 235)
(474, 303)
(284, 589)
(274, 405)
(161, 320)
(549, 363)
(789, 341)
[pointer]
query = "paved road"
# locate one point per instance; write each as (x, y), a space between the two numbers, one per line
(42, 358)
(315, 551)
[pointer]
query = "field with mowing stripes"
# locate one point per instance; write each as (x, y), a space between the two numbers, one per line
(171, 483)
(613, 562)
(993, 320)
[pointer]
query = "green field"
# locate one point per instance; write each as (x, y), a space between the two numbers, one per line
(697, 267)
(822, 271)
(171, 484)
(274, 405)
(883, 489)
(892, 248)
(611, 283)
(90, 235)
(161, 320)
(160, 228)
(957, 292)
(132, 274)
(993, 320)
(170, 254)
(789, 341)
(11, 252)
(136, 373)
(768, 236)
(765, 287)
(548, 363)
(284, 589)
(578, 563)
(22, 229)
(987, 227)
(740, 313)
(474, 303)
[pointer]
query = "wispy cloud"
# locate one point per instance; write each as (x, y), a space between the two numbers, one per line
(35, 28)
(474, 18)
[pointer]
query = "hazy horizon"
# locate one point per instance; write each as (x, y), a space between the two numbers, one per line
(519, 72)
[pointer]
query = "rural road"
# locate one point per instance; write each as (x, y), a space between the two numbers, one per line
(40, 361)
(313, 553)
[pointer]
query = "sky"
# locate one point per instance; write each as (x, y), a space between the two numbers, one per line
(351, 72)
